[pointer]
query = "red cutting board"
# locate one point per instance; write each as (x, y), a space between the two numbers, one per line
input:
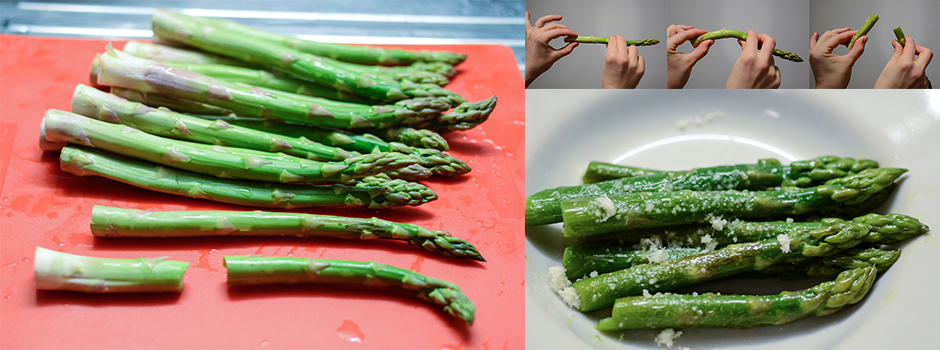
(40, 205)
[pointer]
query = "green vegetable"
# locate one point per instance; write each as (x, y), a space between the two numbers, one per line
(832, 266)
(713, 310)
(165, 53)
(61, 271)
(596, 215)
(247, 270)
(372, 192)
(116, 222)
(601, 171)
(801, 173)
(737, 34)
(603, 40)
(898, 33)
(866, 27)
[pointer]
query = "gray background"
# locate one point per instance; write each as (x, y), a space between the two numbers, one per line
(584, 68)
(786, 21)
(920, 20)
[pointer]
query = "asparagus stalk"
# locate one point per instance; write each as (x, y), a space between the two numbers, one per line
(596, 215)
(601, 171)
(61, 271)
(737, 34)
(832, 266)
(800, 173)
(898, 33)
(711, 310)
(865, 28)
(116, 222)
(247, 270)
(839, 235)
(371, 192)
(409, 136)
(544, 207)
(163, 53)
(603, 40)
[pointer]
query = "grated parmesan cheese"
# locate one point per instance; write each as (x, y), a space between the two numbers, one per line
(784, 242)
(562, 286)
(606, 208)
(789, 220)
(667, 337)
(717, 223)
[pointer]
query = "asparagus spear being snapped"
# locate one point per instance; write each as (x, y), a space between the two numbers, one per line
(247, 270)
(371, 192)
(899, 34)
(603, 40)
(711, 310)
(596, 215)
(737, 34)
(864, 29)
(61, 271)
(116, 222)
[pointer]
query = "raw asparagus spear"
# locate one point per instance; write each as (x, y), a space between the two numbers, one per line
(800, 173)
(210, 36)
(544, 207)
(219, 161)
(116, 222)
(409, 136)
(739, 311)
(247, 270)
(596, 215)
(165, 53)
(372, 192)
(601, 171)
(737, 34)
(61, 271)
(864, 29)
(837, 236)
(175, 104)
(603, 40)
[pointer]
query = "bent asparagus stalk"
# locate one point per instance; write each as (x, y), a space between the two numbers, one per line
(864, 29)
(116, 222)
(249, 270)
(62, 271)
(371, 192)
(737, 34)
(603, 40)
(711, 310)
(596, 215)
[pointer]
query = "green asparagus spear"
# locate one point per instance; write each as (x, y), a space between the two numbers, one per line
(61, 271)
(408, 136)
(173, 103)
(116, 222)
(603, 40)
(544, 207)
(219, 161)
(163, 53)
(739, 311)
(209, 36)
(838, 235)
(371, 192)
(800, 173)
(737, 34)
(832, 266)
(601, 171)
(864, 29)
(596, 215)
(247, 270)
(899, 34)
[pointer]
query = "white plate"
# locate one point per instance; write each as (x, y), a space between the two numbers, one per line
(565, 129)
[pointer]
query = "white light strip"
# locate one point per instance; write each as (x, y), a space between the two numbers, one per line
(310, 16)
(78, 31)
(712, 137)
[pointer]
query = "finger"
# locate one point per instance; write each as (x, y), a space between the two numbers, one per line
(767, 48)
(843, 38)
(812, 40)
(632, 53)
(701, 50)
(907, 53)
(557, 33)
(923, 57)
(565, 50)
(528, 23)
(554, 25)
(897, 52)
(545, 19)
(690, 34)
(619, 45)
(642, 65)
(672, 30)
(751, 43)
(831, 33)
(776, 77)
(858, 49)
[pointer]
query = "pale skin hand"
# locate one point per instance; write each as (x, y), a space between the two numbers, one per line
(755, 68)
(623, 66)
(678, 64)
(539, 56)
(833, 71)
(903, 70)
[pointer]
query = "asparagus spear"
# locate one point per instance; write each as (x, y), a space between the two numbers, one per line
(596, 215)
(898, 33)
(247, 270)
(601, 171)
(544, 207)
(212, 37)
(711, 310)
(737, 34)
(165, 53)
(603, 40)
(372, 192)
(864, 29)
(832, 266)
(838, 235)
(116, 222)
(801, 173)
(62, 271)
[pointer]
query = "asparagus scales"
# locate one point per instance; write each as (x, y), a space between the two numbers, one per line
(62, 271)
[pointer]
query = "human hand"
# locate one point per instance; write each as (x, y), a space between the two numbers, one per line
(755, 68)
(833, 71)
(623, 66)
(539, 56)
(903, 70)
(679, 65)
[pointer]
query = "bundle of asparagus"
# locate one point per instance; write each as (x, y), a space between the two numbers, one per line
(631, 232)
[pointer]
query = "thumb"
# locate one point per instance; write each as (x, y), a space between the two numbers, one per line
(701, 50)
(898, 49)
(859, 48)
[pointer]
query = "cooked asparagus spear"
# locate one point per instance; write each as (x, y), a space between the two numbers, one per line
(116, 222)
(61, 271)
(371, 192)
(603, 40)
(800, 173)
(596, 215)
(737, 34)
(247, 270)
(711, 310)
(832, 266)
(601, 171)
(864, 29)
